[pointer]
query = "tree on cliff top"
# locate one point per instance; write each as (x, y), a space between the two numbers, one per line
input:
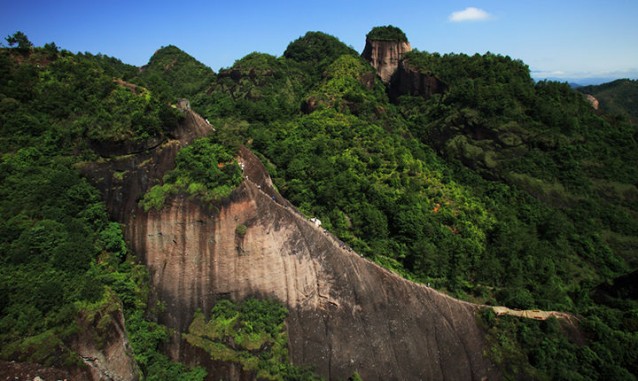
(21, 40)
(387, 33)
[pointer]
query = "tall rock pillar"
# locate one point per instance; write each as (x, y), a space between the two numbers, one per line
(385, 46)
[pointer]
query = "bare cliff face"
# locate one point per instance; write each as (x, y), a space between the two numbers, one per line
(385, 56)
(408, 80)
(397, 73)
(346, 313)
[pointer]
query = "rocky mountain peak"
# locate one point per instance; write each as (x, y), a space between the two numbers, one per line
(385, 46)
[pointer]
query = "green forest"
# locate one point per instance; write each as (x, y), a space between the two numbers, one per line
(500, 191)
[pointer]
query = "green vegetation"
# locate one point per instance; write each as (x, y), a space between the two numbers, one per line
(64, 267)
(175, 75)
(20, 41)
(500, 191)
(553, 350)
(204, 169)
(387, 33)
(617, 98)
(252, 334)
(241, 230)
(258, 86)
(316, 50)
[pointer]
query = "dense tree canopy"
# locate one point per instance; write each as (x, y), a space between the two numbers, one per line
(618, 98)
(387, 33)
(62, 262)
(500, 190)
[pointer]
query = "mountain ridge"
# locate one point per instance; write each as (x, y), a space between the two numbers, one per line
(498, 190)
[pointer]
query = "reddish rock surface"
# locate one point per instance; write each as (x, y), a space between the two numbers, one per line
(397, 73)
(385, 56)
(110, 358)
(592, 101)
(346, 313)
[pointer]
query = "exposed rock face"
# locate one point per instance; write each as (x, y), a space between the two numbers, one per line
(592, 101)
(127, 173)
(385, 56)
(396, 72)
(130, 171)
(346, 313)
(111, 359)
(409, 81)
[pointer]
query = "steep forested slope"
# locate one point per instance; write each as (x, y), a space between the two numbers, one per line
(619, 97)
(500, 190)
(65, 271)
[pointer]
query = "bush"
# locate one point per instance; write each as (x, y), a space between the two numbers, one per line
(204, 170)
(240, 230)
(387, 33)
(250, 333)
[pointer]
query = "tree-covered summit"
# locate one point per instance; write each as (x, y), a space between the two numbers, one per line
(316, 47)
(64, 266)
(174, 74)
(387, 33)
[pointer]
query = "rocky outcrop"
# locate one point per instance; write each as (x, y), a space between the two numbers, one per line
(124, 178)
(408, 80)
(592, 101)
(105, 350)
(346, 313)
(385, 56)
(123, 175)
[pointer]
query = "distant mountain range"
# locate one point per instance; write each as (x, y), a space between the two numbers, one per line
(587, 81)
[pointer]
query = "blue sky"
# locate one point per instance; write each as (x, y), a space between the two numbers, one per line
(565, 39)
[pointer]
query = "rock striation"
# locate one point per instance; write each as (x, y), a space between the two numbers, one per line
(347, 314)
(401, 78)
(385, 55)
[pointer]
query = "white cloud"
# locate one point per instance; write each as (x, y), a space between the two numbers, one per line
(469, 14)
(548, 73)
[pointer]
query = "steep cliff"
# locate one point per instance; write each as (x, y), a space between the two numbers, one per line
(346, 313)
(103, 345)
(126, 172)
(408, 80)
(385, 50)
(385, 55)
